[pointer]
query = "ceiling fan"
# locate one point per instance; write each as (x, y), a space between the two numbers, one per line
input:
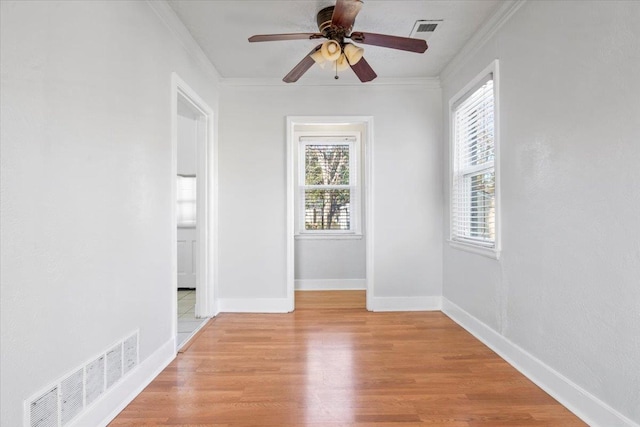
(335, 24)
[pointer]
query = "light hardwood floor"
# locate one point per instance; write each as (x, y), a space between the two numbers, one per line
(331, 363)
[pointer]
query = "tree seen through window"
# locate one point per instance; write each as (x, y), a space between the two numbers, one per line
(327, 190)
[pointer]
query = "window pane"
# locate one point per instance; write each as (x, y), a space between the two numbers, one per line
(186, 188)
(327, 210)
(186, 200)
(187, 213)
(326, 164)
(481, 212)
(475, 128)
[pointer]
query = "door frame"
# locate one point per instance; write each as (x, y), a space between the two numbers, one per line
(367, 164)
(206, 204)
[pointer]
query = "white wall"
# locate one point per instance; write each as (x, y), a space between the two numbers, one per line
(406, 174)
(330, 259)
(86, 186)
(566, 289)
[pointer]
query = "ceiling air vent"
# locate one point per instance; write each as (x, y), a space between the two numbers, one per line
(426, 28)
(423, 28)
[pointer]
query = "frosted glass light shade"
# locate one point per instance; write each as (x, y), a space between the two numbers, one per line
(318, 58)
(331, 50)
(353, 53)
(341, 63)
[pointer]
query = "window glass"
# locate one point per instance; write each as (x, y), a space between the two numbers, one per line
(186, 197)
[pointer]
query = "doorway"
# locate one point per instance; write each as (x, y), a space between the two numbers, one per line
(194, 212)
(329, 199)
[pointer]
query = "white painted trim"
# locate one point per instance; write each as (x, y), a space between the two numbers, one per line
(115, 399)
(589, 408)
(254, 305)
(475, 249)
(182, 35)
(207, 227)
(417, 303)
(330, 236)
(368, 185)
(481, 36)
(331, 284)
(428, 82)
(291, 214)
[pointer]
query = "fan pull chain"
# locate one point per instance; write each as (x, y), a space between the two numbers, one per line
(336, 77)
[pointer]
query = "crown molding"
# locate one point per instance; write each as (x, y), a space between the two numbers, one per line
(426, 82)
(182, 34)
(484, 33)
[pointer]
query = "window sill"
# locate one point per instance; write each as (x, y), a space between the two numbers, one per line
(478, 250)
(186, 226)
(328, 236)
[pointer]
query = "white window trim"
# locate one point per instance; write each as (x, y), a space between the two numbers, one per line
(355, 185)
(490, 252)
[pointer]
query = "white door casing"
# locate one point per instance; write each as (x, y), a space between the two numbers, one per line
(205, 241)
(367, 164)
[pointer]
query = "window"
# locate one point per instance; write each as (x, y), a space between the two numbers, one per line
(186, 201)
(328, 185)
(473, 189)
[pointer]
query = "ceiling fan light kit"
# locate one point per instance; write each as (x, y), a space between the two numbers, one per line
(331, 50)
(342, 63)
(319, 58)
(335, 24)
(353, 53)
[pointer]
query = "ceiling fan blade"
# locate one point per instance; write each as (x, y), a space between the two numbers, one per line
(301, 68)
(290, 36)
(393, 42)
(345, 12)
(364, 71)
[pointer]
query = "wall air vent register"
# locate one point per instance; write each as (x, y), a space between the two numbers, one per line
(62, 402)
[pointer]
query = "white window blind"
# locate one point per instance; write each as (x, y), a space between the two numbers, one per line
(473, 204)
(327, 183)
(186, 199)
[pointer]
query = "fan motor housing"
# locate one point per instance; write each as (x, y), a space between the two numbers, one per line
(324, 19)
(329, 31)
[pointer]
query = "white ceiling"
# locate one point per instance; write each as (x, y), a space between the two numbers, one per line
(222, 28)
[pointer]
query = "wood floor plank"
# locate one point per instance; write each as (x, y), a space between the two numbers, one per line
(333, 364)
(333, 300)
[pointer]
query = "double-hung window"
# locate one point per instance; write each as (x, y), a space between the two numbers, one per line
(186, 208)
(328, 185)
(473, 181)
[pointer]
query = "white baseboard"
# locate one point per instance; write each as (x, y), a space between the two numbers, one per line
(331, 285)
(105, 409)
(254, 305)
(589, 408)
(432, 303)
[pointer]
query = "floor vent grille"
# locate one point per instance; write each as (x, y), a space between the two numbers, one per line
(61, 403)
